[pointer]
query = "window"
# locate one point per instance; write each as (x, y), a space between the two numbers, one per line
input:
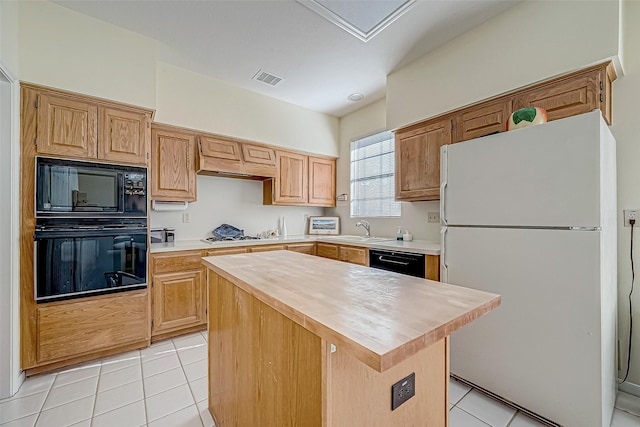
(372, 177)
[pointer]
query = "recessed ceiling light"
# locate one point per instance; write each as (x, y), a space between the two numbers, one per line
(355, 97)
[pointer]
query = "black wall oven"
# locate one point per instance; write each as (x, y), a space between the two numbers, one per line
(82, 259)
(91, 229)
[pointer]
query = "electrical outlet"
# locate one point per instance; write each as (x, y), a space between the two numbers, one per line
(186, 217)
(433, 217)
(631, 214)
(403, 390)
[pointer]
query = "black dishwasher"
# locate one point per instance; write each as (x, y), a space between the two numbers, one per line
(400, 262)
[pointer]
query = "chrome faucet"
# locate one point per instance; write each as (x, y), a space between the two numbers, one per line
(366, 225)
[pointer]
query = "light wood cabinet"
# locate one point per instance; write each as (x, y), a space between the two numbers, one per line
(354, 255)
(77, 126)
(301, 180)
(224, 156)
(305, 248)
(173, 173)
(483, 120)
(290, 185)
(322, 181)
(418, 146)
(432, 267)
(71, 329)
(266, 248)
(66, 127)
(327, 250)
(345, 253)
(178, 293)
(227, 251)
(417, 154)
(124, 136)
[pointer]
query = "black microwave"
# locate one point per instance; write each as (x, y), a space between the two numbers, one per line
(71, 188)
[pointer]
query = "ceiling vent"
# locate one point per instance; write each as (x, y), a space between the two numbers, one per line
(362, 19)
(267, 78)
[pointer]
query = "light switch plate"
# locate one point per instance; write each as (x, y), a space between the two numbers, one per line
(186, 217)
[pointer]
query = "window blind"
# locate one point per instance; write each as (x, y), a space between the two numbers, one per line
(372, 177)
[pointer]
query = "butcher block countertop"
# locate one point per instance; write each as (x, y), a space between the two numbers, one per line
(379, 317)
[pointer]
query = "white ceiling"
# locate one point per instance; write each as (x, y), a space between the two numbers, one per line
(320, 63)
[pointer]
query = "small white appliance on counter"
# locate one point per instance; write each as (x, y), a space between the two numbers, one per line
(531, 215)
(327, 225)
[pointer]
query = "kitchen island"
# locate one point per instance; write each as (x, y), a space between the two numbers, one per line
(297, 340)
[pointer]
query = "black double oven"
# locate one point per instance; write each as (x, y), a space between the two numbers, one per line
(91, 228)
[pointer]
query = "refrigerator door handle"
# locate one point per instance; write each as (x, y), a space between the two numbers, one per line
(444, 271)
(443, 183)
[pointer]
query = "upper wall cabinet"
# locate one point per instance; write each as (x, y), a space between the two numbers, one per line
(301, 180)
(124, 136)
(322, 181)
(418, 160)
(76, 126)
(418, 145)
(173, 172)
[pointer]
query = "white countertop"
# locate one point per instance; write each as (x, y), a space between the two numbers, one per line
(416, 246)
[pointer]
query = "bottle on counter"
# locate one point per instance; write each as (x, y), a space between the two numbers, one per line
(283, 228)
(399, 233)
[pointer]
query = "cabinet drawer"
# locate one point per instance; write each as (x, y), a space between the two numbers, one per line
(188, 260)
(266, 248)
(70, 329)
(354, 255)
(226, 251)
(304, 248)
(327, 250)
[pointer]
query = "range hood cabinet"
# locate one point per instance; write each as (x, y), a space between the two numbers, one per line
(228, 157)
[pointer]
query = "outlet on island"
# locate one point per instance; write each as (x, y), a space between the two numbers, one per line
(403, 390)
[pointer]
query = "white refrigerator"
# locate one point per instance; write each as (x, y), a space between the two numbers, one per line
(530, 214)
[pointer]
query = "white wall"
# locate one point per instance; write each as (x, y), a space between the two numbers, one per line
(10, 374)
(626, 129)
(63, 49)
(364, 122)
(198, 102)
(528, 43)
(232, 201)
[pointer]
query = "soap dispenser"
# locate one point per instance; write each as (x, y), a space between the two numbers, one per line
(399, 233)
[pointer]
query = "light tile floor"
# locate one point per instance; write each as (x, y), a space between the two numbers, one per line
(165, 385)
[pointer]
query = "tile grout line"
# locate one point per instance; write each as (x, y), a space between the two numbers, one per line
(45, 399)
(144, 393)
(469, 413)
(189, 385)
(95, 395)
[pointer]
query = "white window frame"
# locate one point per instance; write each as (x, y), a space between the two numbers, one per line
(393, 210)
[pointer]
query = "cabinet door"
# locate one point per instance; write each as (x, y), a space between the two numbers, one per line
(305, 248)
(291, 180)
(178, 301)
(220, 148)
(173, 174)
(354, 255)
(123, 136)
(67, 127)
(482, 120)
(432, 267)
(327, 250)
(418, 160)
(322, 181)
(564, 98)
(258, 154)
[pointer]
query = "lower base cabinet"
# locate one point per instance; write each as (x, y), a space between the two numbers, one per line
(179, 294)
(353, 254)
